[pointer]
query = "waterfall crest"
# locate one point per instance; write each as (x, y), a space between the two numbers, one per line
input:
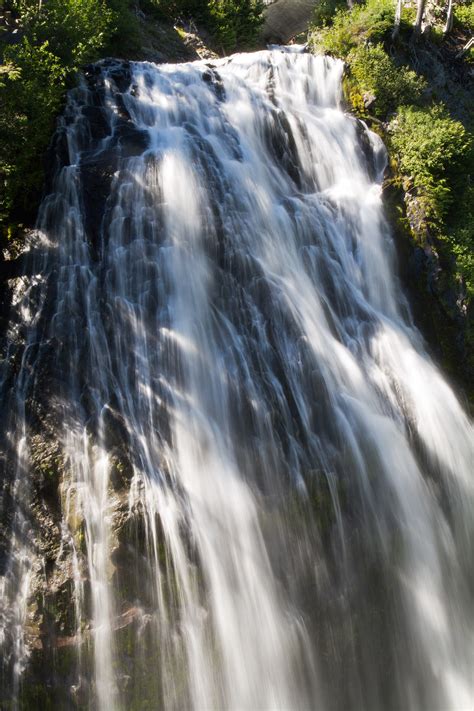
(265, 485)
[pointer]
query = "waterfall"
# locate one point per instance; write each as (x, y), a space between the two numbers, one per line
(232, 477)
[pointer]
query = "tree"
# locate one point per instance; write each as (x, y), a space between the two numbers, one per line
(420, 11)
(443, 6)
(449, 18)
(398, 17)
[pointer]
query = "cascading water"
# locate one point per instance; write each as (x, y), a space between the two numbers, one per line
(265, 486)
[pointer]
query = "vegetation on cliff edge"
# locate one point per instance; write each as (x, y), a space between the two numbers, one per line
(44, 44)
(413, 79)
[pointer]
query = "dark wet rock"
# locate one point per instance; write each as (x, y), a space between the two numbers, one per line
(365, 148)
(98, 122)
(281, 144)
(157, 57)
(211, 77)
(131, 140)
(56, 158)
(91, 71)
(96, 176)
(121, 75)
(437, 299)
(13, 268)
(121, 110)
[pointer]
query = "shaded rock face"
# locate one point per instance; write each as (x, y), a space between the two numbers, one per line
(284, 19)
(438, 299)
(162, 42)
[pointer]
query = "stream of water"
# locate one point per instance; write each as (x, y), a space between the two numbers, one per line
(265, 485)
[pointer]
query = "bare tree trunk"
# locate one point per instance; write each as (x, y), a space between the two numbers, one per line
(420, 10)
(398, 17)
(466, 48)
(449, 18)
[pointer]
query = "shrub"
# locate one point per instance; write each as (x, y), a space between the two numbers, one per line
(464, 15)
(74, 29)
(370, 21)
(432, 149)
(57, 37)
(376, 74)
(460, 237)
(31, 96)
(324, 12)
(177, 9)
(123, 33)
(235, 23)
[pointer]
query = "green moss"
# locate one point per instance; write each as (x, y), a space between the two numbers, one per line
(35, 696)
(354, 97)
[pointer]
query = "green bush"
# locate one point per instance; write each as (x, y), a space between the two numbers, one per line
(464, 15)
(58, 36)
(74, 29)
(460, 236)
(31, 96)
(123, 35)
(376, 74)
(176, 9)
(433, 150)
(235, 23)
(323, 13)
(370, 21)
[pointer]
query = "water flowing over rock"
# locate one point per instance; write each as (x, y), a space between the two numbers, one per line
(232, 478)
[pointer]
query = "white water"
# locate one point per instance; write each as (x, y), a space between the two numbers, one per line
(234, 340)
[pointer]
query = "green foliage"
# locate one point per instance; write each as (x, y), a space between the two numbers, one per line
(74, 29)
(376, 74)
(464, 19)
(58, 36)
(432, 149)
(464, 15)
(460, 236)
(371, 21)
(431, 153)
(196, 10)
(123, 37)
(30, 95)
(8, 71)
(235, 23)
(324, 12)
